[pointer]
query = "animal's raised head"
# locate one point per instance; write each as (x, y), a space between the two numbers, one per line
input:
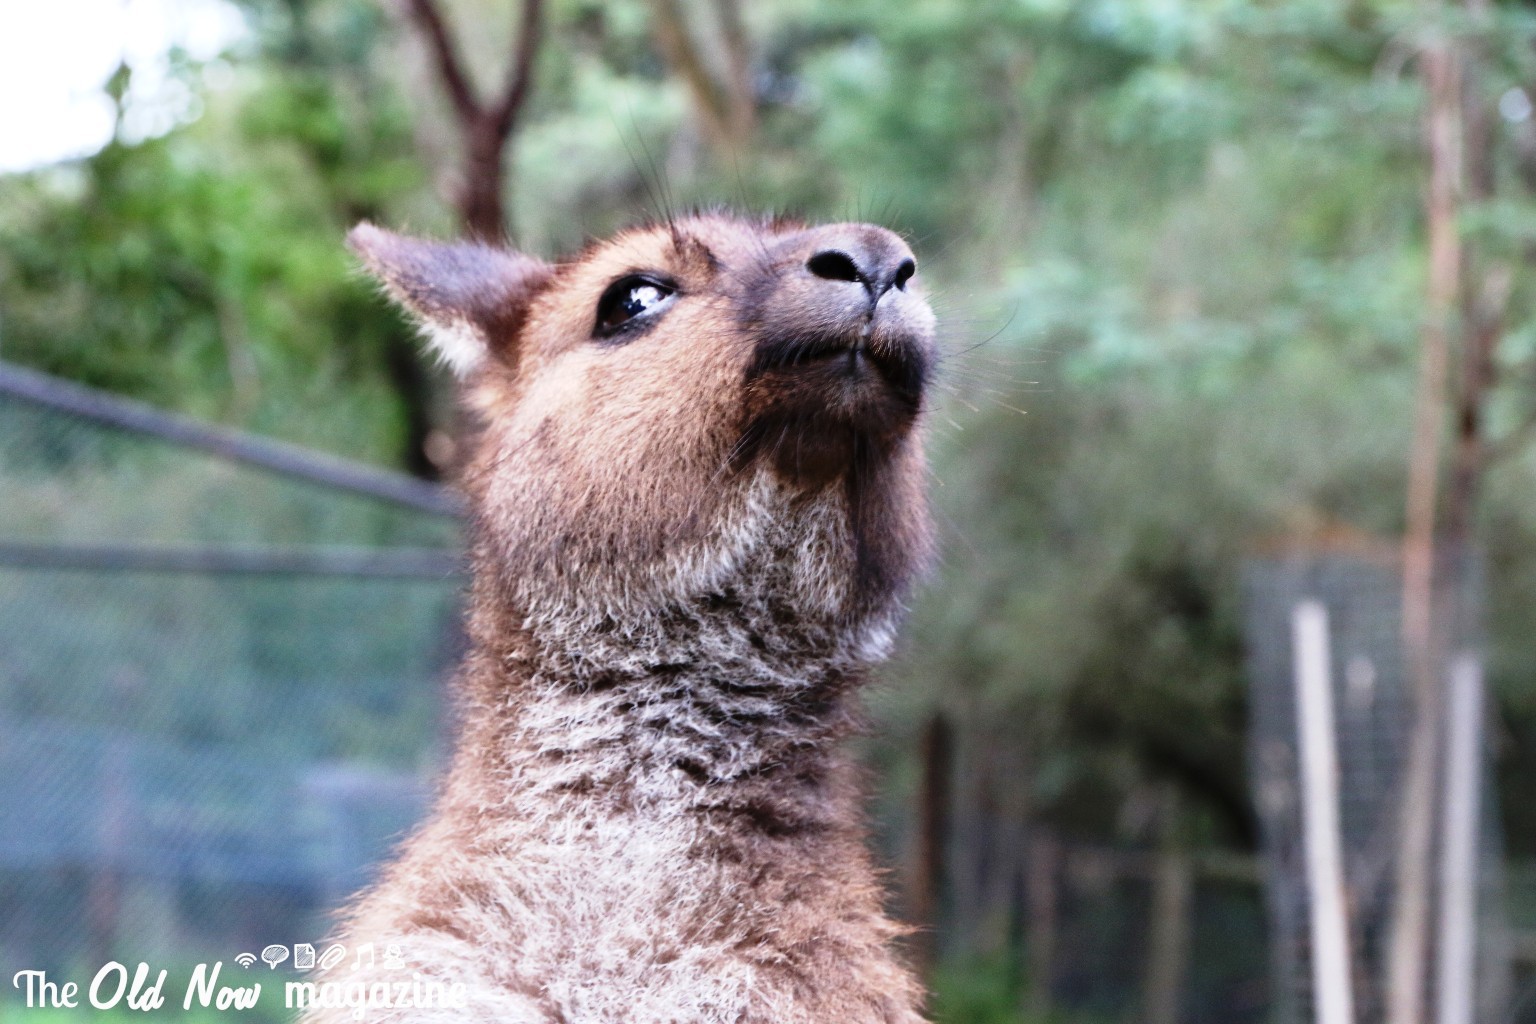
(685, 410)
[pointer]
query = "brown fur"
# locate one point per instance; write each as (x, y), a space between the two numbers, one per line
(692, 538)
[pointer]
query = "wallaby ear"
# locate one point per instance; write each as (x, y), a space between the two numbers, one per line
(469, 298)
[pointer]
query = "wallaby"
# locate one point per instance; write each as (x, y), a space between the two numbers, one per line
(696, 492)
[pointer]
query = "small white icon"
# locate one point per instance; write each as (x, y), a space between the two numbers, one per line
(334, 954)
(245, 959)
(303, 956)
(274, 955)
(364, 951)
(394, 960)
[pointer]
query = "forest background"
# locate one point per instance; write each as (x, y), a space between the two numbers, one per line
(1181, 252)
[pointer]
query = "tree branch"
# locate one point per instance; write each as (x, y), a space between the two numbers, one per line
(449, 67)
(486, 126)
(520, 75)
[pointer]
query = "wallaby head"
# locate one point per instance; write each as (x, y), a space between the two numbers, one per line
(651, 411)
(696, 482)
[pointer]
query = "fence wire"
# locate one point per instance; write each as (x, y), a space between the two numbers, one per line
(1374, 716)
(220, 678)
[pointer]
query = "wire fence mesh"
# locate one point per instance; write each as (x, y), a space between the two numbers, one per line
(1373, 711)
(221, 673)
(1078, 930)
(220, 679)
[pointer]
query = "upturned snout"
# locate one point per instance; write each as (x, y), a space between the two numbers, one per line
(842, 329)
(843, 346)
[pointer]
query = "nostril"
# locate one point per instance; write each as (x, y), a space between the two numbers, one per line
(904, 273)
(834, 266)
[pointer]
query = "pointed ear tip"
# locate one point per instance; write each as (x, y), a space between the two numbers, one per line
(366, 237)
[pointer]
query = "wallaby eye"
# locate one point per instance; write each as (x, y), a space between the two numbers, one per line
(629, 298)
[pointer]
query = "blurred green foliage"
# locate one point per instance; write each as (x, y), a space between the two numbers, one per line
(201, 270)
(984, 992)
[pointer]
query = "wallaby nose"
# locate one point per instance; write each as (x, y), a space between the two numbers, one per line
(872, 256)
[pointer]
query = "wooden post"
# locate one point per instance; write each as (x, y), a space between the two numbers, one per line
(1172, 894)
(1333, 996)
(1456, 976)
(1041, 878)
(932, 834)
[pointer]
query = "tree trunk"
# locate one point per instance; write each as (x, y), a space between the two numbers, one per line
(482, 211)
(1483, 307)
(722, 90)
(486, 127)
(413, 385)
(1408, 945)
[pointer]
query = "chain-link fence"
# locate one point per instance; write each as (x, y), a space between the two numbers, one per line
(1029, 922)
(221, 672)
(221, 665)
(1335, 854)
(1093, 932)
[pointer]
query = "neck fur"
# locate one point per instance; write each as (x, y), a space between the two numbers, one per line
(733, 695)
